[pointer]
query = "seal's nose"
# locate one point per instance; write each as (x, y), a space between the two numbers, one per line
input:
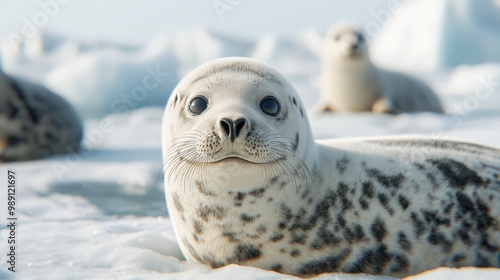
(357, 41)
(232, 128)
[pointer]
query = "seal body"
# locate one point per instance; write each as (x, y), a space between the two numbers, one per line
(246, 183)
(35, 122)
(351, 83)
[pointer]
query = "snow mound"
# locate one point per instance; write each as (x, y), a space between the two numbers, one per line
(466, 78)
(112, 80)
(465, 273)
(292, 57)
(100, 78)
(431, 34)
(198, 46)
(101, 213)
(35, 58)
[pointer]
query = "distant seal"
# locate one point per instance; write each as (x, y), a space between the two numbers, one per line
(351, 83)
(35, 122)
(246, 183)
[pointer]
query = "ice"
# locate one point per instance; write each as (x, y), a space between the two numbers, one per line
(117, 78)
(427, 35)
(101, 213)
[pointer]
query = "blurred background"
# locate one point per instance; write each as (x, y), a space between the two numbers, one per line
(98, 54)
(92, 52)
(137, 22)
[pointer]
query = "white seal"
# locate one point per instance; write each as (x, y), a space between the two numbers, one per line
(35, 122)
(246, 183)
(351, 83)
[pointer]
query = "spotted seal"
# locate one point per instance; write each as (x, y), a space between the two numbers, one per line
(351, 83)
(246, 183)
(35, 122)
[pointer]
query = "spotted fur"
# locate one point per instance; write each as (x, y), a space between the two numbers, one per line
(275, 199)
(35, 122)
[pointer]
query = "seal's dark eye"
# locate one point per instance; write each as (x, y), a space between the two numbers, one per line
(198, 105)
(360, 38)
(270, 106)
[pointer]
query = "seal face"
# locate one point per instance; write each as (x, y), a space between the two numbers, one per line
(35, 122)
(351, 83)
(246, 183)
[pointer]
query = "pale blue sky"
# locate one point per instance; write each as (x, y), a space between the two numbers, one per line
(134, 21)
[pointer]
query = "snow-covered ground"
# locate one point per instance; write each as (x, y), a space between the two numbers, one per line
(101, 214)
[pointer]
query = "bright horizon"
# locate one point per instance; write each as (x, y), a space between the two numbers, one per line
(135, 23)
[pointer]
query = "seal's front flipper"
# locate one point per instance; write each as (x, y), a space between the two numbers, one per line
(384, 106)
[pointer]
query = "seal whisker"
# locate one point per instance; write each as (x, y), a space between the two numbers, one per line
(272, 197)
(204, 82)
(297, 170)
(215, 72)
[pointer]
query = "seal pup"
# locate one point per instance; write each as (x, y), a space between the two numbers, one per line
(246, 183)
(351, 83)
(35, 122)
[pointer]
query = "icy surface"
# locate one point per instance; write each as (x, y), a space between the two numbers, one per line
(101, 214)
(117, 78)
(430, 34)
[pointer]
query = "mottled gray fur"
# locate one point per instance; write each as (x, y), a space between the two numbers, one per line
(35, 122)
(276, 199)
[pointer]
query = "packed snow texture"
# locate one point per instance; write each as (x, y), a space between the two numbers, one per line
(101, 214)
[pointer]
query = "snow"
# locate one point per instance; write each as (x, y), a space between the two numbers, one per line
(101, 214)
(458, 274)
(118, 78)
(430, 34)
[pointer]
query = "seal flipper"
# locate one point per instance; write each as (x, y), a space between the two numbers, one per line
(3, 146)
(384, 106)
